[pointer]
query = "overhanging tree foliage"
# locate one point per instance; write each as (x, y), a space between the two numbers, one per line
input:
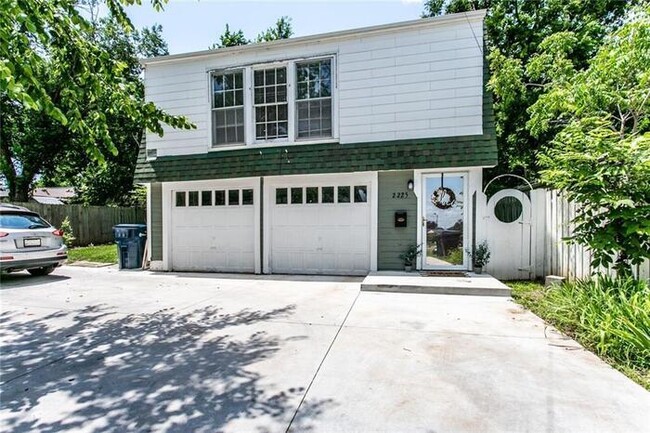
(600, 155)
(53, 69)
(112, 182)
(515, 29)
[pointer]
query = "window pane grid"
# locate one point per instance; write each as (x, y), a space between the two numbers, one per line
(314, 99)
(228, 108)
(270, 101)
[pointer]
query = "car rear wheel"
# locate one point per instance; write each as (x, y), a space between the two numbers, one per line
(42, 271)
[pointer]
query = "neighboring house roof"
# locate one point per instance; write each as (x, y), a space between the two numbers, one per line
(46, 200)
(61, 192)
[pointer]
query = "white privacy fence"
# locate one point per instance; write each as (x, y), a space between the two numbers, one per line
(525, 233)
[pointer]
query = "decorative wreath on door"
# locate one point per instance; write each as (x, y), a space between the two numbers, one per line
(443, 198)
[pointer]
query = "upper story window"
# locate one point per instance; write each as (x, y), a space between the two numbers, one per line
(271, 107)
(228, 108)
(290, 101)
(314, 98)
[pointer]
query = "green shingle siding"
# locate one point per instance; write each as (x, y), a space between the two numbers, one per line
(322, 158)
(391, 240)
(155, 231)
(464, 151)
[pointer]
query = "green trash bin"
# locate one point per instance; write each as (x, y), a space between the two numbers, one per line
(131, 240)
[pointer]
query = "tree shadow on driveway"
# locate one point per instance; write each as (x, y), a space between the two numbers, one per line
(167, 371)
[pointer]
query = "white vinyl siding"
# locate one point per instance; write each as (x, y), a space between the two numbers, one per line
(419, 81)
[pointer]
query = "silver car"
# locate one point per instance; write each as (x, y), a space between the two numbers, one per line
(29, 242)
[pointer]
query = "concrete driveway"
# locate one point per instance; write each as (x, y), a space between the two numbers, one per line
(98, 350)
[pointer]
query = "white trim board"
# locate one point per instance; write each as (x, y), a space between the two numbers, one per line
(473, 183)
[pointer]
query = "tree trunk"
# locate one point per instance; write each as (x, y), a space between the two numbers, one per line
(19, 189)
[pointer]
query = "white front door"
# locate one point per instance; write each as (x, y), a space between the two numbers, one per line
(213, 226)
(444, 223)
(320, 224)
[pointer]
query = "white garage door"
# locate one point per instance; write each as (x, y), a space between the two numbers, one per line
(213, 228)
(320, 228)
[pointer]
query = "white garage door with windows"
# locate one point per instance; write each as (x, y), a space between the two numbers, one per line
(214, 226)
(320, 224)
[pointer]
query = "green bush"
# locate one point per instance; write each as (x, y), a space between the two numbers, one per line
(68, 234)
(610, 316)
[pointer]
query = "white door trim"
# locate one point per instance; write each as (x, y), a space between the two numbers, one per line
(467, 233)
(167, 203)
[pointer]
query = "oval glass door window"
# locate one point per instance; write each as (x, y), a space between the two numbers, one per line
(508, 209)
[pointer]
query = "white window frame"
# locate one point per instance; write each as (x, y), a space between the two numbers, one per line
(250, 139)
(253, 127)
(211, 74)
(333, 90)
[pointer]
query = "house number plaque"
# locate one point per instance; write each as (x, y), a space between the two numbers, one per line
(401, 195)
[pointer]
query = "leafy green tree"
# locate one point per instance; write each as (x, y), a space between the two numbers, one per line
(230, 39)
(599, 155)
(53, 71)
(515, 29)
(281, 30)
(434, 8)
(111, 182)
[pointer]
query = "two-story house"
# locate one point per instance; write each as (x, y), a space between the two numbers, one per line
(325, 154)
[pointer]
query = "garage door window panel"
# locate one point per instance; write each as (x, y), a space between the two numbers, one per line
(220, 198)
(233, 197)
(181, 199)
(193, 198)
(281, 196)
(247, 197)
(206, 198)
(296, 195)
(327, 194)
(343, 194)
(312, 195)
(360, 194)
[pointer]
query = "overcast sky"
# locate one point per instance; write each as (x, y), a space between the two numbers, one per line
(191, 25)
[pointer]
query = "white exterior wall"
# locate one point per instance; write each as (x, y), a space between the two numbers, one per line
(420, 80)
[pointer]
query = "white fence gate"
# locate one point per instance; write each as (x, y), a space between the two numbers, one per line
(525, 232)
(506, 223)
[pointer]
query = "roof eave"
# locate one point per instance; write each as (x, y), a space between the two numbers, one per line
(422, 22)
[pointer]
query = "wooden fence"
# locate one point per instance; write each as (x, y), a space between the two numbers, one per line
(90, 224)
(554, 256)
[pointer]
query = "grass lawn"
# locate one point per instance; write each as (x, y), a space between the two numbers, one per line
(94, 253)
(596, 318)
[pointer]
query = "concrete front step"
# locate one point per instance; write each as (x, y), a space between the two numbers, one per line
(414, 282)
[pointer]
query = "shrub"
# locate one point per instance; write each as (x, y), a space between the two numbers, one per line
(481, 255)
(68, 234)
(610, 316)
(410, 254)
